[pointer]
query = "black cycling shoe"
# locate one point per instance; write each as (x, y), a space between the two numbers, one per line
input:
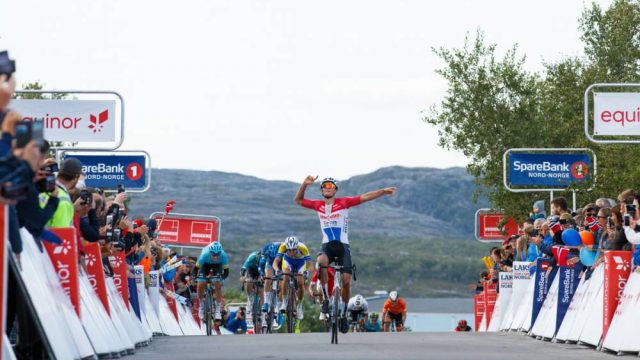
(325, 306)
(344, 325)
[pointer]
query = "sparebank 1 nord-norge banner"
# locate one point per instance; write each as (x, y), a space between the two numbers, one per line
(556, 170)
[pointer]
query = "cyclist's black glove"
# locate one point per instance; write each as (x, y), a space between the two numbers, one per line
(243, 271)
(225, 274)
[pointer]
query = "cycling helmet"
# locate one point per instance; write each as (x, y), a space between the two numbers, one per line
(374, 315)
(358, 302)
(393, 295)
(291, 243)
(329, 180)
(462, 323)
(215, 248)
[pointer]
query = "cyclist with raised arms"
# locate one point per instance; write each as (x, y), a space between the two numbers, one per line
(334, 219)
(269, 253)
(212, 259)
(296, 259)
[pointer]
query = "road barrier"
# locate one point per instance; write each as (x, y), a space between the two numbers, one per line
(599, 307)
(81, 313)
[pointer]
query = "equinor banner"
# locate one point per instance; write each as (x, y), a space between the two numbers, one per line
(616, 113)
(71, 120)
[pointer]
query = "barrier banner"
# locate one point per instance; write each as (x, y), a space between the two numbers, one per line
(170, 300)
(478, 309)
(154, 290)
(617, 266)
(542, 281)
(138, 272)
(490, 295)
(4, 273)
(568, 283)
(119, 267)
(65, 259)
(93, 262)
(195, 311)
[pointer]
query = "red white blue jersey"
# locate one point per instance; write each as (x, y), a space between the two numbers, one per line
(334, 219)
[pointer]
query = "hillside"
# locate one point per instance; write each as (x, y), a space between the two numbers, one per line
(419, 241)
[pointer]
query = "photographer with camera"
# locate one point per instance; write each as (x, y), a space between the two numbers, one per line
(237, 320)
(84, 208)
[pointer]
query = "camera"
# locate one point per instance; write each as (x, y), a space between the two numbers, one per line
(535, 233)
(29, 130)
(627, 220)
(86, 197)
(48, 184)
(7, 66)
(121, 188)
(563, 221)
(630, 208)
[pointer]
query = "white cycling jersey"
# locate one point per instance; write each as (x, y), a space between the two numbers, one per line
(352, 306)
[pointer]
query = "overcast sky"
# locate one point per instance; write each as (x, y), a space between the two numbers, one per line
(275, 89)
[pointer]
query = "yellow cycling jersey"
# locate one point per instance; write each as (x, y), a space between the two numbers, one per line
(302, 252)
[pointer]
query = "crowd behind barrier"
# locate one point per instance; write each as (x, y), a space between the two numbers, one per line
(81, 277)
(572, 276)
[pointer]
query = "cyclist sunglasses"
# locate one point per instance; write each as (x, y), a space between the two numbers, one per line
(328, 185)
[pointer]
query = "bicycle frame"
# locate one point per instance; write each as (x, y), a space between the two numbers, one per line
(210, 304)
(291, 304)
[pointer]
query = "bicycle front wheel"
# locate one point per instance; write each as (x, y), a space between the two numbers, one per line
(291, 307)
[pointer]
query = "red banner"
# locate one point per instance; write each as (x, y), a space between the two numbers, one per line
(182, 230)
(490, 296)
(617, 267)
(93, 262)
(171, 301)
(478, 309)
(488, 229)
(65, 260)
(119, 267)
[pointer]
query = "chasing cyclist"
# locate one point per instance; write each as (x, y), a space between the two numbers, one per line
(248, 274)
(334, 219)
(358, 309)
(394, 309)
(269, 253)
(214, 260)
(296, 261)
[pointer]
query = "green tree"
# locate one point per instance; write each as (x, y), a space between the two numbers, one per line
(493, 104)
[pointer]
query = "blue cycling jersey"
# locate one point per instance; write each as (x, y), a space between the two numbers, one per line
(269, 253)
(205, 258)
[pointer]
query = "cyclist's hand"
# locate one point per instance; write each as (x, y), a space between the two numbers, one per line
(389, 190)
(310, 180)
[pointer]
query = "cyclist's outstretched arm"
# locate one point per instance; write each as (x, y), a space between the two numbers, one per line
(372, 195)
(303, 187)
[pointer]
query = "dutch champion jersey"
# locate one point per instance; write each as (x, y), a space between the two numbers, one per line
(334, 220)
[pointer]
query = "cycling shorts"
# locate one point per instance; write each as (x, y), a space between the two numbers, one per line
(356, 315)
(205, 269)
(397, 318)
(268, 265)
(339, 253)
(295, 265)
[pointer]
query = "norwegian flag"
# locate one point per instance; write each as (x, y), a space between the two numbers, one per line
(593, 224)
(169, 207)
(560, 254)
(555, 227)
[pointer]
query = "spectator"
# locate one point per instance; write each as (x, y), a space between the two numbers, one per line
(373, 323)
(617, 238)
(559, 206)
(538, 211)
(236, 320)
(522, 248)
(462, 326)
(67, 179)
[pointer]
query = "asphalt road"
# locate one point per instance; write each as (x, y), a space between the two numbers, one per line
(367, 346)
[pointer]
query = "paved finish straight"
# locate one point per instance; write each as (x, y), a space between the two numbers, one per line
(369, 346)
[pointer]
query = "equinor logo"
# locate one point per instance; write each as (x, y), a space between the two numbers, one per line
(96, 122)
